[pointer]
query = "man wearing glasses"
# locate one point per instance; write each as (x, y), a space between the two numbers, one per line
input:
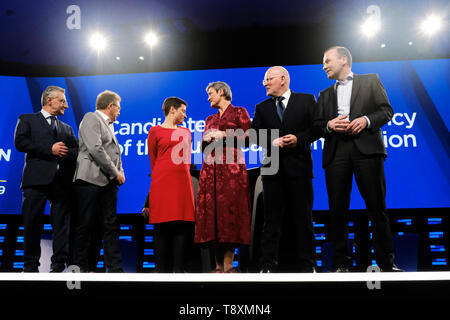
(288, 195)
(98, 175)
(51, 151)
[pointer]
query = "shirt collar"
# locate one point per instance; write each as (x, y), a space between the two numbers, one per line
(104, 117)
(46, 114)
(349, 78)
(286, 95)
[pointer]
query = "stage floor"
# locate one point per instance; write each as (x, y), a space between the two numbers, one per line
(234, 296)
(228, 277)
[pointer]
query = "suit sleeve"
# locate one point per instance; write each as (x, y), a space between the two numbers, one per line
(24, 142)
(320, 122)
(257, 124)
(313, 131)
(384, 111)
(72, 145)
(90, 132)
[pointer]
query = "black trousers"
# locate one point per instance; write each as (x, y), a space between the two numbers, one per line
(33, 205)
(173, 241)
(370, 179)
(97, 202)
(291, 196)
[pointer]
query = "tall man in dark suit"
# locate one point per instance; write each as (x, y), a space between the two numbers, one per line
(288, 117)
(352, 111)
(98, 175)
(51, 150)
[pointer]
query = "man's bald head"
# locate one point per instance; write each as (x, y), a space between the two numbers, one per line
(276, 81)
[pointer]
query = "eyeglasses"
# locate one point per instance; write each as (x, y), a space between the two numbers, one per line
(267, 80)
(116, 105)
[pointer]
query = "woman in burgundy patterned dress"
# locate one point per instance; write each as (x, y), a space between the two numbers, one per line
(223, 202)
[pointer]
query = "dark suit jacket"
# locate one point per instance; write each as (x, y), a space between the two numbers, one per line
(34, 137)
(369, 99)
(298, 120)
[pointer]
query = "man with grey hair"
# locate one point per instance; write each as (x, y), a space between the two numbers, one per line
(288, 193)
(352, 112)
(50, 150)
(98, 175)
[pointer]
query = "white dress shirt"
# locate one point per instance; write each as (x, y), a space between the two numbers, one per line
(286, 95)
(344, 95)
(47, 116)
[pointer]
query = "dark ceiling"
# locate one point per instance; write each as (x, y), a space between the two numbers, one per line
(206, 34)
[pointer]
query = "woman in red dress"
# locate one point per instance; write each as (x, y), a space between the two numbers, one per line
(171, 198)
(223, 201)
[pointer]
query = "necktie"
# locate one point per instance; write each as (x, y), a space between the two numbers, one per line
(280, 107)
(53, 125)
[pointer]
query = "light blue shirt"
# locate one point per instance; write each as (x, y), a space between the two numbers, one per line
(344, 95)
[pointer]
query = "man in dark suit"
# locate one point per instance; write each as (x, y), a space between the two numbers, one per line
(287, 118)
(98, 175)
(352, 111)
(51, 151)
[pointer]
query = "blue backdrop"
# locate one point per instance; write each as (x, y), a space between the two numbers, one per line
(417, 138)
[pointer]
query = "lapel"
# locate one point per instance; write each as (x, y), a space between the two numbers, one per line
(44, 122)
(274, 113)
(355, 89)
(290, 106)
(333, 94)
(58, 129)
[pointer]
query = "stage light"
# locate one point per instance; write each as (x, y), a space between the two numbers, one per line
(431, 25)
(383, 45)
(151, 39)
(370, 27)
(117, 58)
(98, 42)
(141, 58)
(410, 43)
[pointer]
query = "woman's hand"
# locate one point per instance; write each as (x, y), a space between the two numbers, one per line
(214, 135)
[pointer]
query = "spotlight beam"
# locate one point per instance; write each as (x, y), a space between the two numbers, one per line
(370, 27)
(431, 25)
(151, 39)
(98, 42)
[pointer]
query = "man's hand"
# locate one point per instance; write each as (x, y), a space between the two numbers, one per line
(357, 125)
(339, 124)
(278, 142)
(289, 140)
(59, 149)
(120, 179)
(145, 212)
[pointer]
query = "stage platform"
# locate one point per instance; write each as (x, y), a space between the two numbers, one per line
(233, 296)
